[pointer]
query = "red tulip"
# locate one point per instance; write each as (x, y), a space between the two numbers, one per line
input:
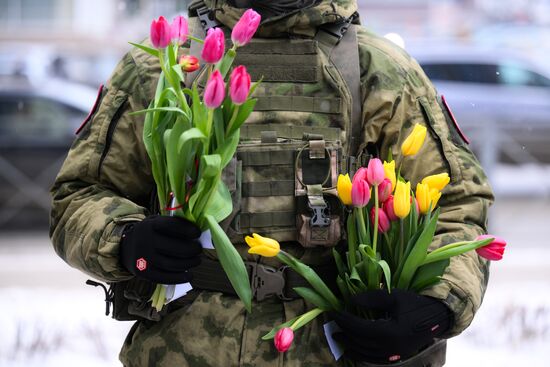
(160, 33)
(493, 251)
(214, 93)
(384, 223)
(239, 85)
(189, 63)
(245, 28)
(388, 209)
(384, 190)
(375, 172)
(179, 30)
(360, 189)
(283, 339)
(214, 46)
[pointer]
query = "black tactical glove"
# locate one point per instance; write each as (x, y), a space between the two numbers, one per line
(161, 249)
(408, 323)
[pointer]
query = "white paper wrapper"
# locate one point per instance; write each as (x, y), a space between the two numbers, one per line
(335, 348)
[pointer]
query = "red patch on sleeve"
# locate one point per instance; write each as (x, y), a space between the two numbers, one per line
(462, 135)
(92, 111)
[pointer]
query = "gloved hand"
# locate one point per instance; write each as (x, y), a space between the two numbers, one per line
(409, 322)
(161, 249)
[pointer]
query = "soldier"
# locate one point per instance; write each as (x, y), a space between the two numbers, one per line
(325, 79)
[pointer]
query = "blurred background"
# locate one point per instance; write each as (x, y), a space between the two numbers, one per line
(488, 57)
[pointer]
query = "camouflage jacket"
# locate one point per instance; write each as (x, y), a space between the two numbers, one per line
(106, 179)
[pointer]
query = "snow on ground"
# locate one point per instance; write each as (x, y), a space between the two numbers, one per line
(49, 318)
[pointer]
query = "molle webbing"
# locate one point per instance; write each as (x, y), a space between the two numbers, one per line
(254, 131)
(299, 104)
(294, 61)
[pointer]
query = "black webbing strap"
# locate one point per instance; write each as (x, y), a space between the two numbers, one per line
(342, 38)
(265, 280)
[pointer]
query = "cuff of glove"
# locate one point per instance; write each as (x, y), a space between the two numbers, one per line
(434, 355)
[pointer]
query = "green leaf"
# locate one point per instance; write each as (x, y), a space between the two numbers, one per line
(227, 151)
(188, 136)
(225, 64)
(426, 273)
(210, 165)
(343, 288)
(175, 163)
(244, 111)
(162, 109)
(313, 297)
(425, 284)
(387, 272)
(451, 250)
(221, 205)
(149, 50)
(200, 112)
(231, 262)
(418, 254)
(339, 263)
(178, 73)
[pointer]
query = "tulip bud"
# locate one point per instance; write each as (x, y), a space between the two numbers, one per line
(437, 181)
(283, 339)
(375, 172)
(179, 30)
(414, 141)
(388, 209)
(214, 93)
(189, 63)
(263, 246)
(494, 250)
(384, 223)
(343, 187)
(214, 46)
(360, 189)
(402, 199)
(384, 190)
(423, 198)
(389, 170)
(160, 33)
(239, 85)
(245, 28)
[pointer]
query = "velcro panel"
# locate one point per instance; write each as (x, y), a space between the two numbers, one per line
(266, 158)
(269, 188)
(264, 46)
(299, 104)
(254, 131)
(271, 219)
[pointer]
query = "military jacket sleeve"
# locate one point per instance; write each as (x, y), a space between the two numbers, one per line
(105, 180)
(397, 95)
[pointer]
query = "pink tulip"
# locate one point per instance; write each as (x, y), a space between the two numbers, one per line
(283, 339)
(245, 28)
(384, 190)
(388, 209)
(493, 251)
(239, 85)
(214, 46)
(360, 189)
(375, 172)
(214, 93)
(383, 220)
(179, 30)
(189, 63)
(160, 33)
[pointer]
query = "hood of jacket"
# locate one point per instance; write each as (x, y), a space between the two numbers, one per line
(302, 22)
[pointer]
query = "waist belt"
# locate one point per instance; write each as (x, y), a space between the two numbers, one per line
(265, 281)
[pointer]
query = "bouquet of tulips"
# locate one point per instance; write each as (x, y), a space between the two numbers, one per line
(389, 231)
(191, 135)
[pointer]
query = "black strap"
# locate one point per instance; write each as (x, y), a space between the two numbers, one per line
(341, 38)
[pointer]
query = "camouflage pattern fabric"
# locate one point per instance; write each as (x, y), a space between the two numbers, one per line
(106, 182)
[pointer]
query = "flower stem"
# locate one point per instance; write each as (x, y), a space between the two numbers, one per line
(232, 120)
(306, 318)
(195, 39)
(375, 237)
(401, 240)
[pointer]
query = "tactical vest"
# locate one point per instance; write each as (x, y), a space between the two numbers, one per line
(302, 134)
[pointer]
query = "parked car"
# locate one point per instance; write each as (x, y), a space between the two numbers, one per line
(37, 125)
(499, 98)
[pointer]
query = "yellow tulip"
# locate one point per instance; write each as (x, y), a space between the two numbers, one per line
(263, 246)
(423, 197)
(344, 189)
(414, 141)
(437, 181)
(389, 170)
(435, 195)
(402, 199)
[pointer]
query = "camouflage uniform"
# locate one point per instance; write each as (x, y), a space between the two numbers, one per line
(106, 182)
